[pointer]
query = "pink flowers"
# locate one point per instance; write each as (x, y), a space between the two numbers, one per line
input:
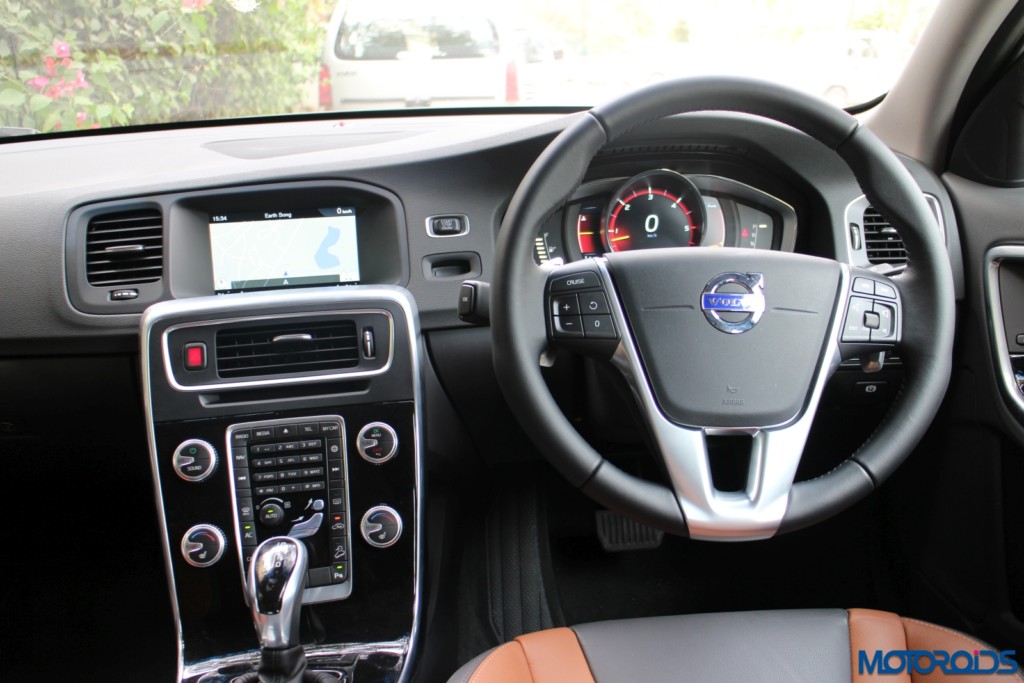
(39, 83)
(194, 5)
(61, 48)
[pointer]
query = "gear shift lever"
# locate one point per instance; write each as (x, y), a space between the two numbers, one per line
(274, 589)
(274, 586)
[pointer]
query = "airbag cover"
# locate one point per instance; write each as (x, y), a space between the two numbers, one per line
(703, 376)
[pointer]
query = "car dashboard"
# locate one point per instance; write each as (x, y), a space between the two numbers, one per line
(280, 400)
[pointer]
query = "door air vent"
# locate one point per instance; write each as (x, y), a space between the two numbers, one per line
(125, 248)
(287, 348)
(881, 241)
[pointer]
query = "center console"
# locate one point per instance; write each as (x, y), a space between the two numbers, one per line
(293, 413)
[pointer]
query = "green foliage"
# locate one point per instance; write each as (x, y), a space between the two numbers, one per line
(71, 64)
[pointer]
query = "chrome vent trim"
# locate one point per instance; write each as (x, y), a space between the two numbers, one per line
(286, 348)
(125, 248)
(882, 242)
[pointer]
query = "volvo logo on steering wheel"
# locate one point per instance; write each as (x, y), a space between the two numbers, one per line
(733, 302)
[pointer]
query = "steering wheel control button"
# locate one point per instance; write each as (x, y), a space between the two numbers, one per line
(872, 321)
(194, 460)
(855, 330)
(203, 545)
(886, 330)
(594, 303)
(862, 285)
(882, 289)
(572, 282)
(567, 304)
(377, 442)
(598, 327)
(381, 526)
(567, 326)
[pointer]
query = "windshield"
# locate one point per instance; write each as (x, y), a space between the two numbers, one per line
(83, 64)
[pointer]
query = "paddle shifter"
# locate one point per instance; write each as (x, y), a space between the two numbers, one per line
(274, 586)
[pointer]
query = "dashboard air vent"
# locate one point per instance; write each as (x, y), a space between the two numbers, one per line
(287, 348)
(125, 248)
(881, 241)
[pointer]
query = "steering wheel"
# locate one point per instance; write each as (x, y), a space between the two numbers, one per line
(762, 331)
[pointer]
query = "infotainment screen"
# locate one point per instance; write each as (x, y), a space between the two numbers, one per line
(276, 249)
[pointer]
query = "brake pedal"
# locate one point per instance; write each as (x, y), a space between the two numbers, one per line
(618, 534)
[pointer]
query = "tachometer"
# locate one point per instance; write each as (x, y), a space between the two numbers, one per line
(654, 209)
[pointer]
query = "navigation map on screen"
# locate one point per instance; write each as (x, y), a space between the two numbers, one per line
(275, 249)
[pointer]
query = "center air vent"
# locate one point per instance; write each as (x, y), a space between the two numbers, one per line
(287, 348)
(881, 241)
(125, 248)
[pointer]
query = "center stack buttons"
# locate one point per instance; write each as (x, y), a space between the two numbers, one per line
(377, 442)
(337, 517)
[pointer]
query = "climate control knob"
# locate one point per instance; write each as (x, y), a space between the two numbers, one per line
(195, 460)
(381, 526)
(377, 442)
(203, 545)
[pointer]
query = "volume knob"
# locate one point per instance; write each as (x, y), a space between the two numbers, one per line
(194, 460)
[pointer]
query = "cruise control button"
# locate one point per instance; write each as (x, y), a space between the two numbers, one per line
(567, 326)
(598, 327)
(575, 281)
(567, 304)
(594, 303)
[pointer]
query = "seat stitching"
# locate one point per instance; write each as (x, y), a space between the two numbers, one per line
(956, 634)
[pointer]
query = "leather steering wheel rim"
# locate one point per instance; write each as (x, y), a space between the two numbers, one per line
(926, 288)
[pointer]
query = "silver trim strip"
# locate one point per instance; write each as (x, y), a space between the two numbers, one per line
(255, 301)
(757, 512)
(997, 326)
(221, 386)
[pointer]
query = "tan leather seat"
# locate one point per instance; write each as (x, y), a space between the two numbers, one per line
(816, 646)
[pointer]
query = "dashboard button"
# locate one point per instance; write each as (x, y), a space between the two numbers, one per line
(240, 437)
(272, 514)
(339, 572)
(245, 513)
(285, 431)
(262, 433)
(330, 428)
(567, 326)
(594, 303)
(381, 526)
(309, 429)
(194, 460)
(575, 281)
(203, 545)
(319, 576)
(377, 442)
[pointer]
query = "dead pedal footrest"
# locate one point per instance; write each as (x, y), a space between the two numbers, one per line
(618, 534)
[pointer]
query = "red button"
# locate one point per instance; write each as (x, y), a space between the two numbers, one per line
(195, 356)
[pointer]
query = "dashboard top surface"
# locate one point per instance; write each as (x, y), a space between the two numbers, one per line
(433, 165)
